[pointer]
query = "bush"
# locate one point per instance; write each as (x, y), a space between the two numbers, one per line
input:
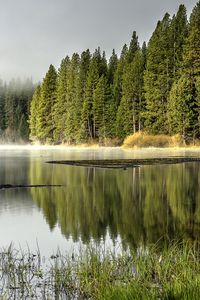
(143, 140)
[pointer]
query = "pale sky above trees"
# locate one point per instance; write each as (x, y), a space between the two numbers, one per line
(36, 33)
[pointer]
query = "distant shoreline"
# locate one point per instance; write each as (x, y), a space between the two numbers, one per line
(95, 147)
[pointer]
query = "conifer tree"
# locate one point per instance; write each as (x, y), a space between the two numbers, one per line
(180, 114)
(46, 123)
(33, 117)
(117, 81)
(2, 107)
(112, 67)
(87, 110)
(81, 84)
(133, 47)
(60, 106)
(130, 109)
(72, 95)
(158, 77)
(179, 35)
(184, 98)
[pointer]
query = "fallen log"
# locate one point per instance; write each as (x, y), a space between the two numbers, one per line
(125, 163)
(13, 186)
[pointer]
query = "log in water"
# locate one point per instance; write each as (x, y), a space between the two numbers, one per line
(125, 163)
(13, 186)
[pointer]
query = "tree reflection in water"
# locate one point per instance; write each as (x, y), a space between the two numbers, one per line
(141, 205)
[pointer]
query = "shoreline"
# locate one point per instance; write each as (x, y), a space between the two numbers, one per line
(94, 147)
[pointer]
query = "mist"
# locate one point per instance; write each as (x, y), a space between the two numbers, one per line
(35, 34)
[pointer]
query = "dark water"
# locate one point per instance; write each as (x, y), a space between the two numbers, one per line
(132, 207)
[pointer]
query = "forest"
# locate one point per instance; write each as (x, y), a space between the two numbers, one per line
(153, 88)
(15, 99)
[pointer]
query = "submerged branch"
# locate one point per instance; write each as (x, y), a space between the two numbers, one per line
(125, 163)
(13, 186)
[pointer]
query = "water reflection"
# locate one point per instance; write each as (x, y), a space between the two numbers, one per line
(141, 205)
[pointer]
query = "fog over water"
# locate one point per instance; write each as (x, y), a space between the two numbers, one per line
(35, 34)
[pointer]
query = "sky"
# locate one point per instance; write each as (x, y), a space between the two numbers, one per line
(37, 33)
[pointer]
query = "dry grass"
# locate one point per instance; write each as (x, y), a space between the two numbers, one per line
(143, 140)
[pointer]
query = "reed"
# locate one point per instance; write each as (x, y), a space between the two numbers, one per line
(147, 273)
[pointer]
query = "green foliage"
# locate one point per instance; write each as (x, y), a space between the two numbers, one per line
(131, 106)
(87, 110)
(158, 76)
(182, 114)
(154, 89)
(46, 124)
(15, 98)
(60, 105)
(33, 119)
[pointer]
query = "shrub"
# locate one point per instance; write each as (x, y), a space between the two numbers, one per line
(142, 140)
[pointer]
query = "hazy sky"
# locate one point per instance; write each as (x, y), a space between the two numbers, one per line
(36, 33)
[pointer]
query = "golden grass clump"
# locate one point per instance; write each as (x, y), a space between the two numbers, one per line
(144, 140)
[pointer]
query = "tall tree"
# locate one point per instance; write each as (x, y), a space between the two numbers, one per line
(60, 105)
(46, 123)
(81, 85)
(179, 35)
(33, 117)
(133, 47)
(130, 109)
(87, 121)
(184, 99)
(112, 67)
(72, 98)
(158, 76)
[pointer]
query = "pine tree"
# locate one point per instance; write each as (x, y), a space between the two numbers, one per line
(181, 115)
(133, 47)
(81, 84)
(2, 107)
(72, 95)
(179, 35)
(184, 98)
(88, 129)
(158, 76)
(46, 124)
(33, 117)
(130, 110)
(112, 67)
(60, 106)
(117, 81)
(192, 49)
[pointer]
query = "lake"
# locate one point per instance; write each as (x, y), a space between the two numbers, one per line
(114, 208)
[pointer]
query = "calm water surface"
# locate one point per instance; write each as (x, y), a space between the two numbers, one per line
(129, 207)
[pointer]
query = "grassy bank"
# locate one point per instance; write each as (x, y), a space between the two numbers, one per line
(173, 273)
(144, 140)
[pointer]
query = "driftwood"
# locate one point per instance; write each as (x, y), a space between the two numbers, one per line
(13, 186)
(125, 163)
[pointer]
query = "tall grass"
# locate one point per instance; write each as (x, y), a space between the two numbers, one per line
(171, 273)
(142, 140)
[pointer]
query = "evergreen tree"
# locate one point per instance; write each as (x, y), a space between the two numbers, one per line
(46, 123)
(158, 76)
(33, 117)
(72, 95)
(2, 107)
(117, 81)
(112, 67)
(81, 84)
(130, 109)
(60, 106)
(184, 99)
(88, 129)
(133, 47)
(181, 115)
(179, 35)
